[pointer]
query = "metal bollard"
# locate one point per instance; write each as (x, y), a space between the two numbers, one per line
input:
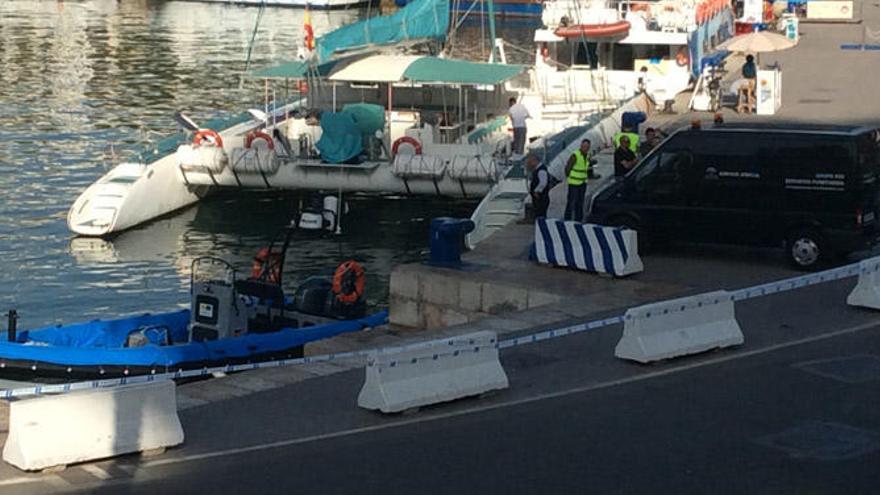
(12, 325)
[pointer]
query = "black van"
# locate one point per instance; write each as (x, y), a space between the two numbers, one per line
(812, 189)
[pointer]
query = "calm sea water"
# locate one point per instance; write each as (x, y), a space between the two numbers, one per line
(82, 81)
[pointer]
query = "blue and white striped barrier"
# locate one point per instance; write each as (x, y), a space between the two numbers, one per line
(589, 247)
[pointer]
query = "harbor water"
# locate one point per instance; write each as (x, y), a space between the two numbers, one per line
(84, 84)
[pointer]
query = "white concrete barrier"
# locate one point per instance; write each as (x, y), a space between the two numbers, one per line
(588, 247)
(867, 290)
(57, 430)
(451, 369)
(679, 327)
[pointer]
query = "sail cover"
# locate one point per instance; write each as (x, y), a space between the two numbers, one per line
(420, 20)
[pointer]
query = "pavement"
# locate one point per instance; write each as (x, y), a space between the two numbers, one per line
(791, 411)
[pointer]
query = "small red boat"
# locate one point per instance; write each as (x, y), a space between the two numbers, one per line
(619, 28)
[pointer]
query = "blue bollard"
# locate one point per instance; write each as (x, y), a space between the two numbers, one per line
(447, 240)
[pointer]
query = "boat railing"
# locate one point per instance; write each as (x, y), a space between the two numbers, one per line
(659, 16)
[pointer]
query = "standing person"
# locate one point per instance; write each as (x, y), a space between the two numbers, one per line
(539, 186)
(746, 92)
(576, 172)
(518, 114)
(624, 158)
(633, 138)
(649, 143)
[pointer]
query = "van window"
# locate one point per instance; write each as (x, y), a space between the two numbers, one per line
(814, 162)
(869, 156)
(661, 174)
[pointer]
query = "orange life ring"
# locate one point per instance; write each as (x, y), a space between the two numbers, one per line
(349, 282)
(259, 135)
(682, 58)
(267, 266)
(406, 139)
(209, 135)
(302, 86)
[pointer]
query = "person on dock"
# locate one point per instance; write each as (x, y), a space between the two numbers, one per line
(539, 185)
(518, 114)
(577, 172)
(746, 91)
(627, 131)
(651, 141)
(624, 158)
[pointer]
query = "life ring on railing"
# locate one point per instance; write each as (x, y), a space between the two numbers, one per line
(267, 266)
(349, 282)
(302, 86)
(259, 135)
(209, 135)
(682, 59)
(406, 139)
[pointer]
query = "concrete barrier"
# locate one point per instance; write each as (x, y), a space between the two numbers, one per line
(451, 369)
(595, 248)
(57, 430)
(867, 290)
(679, 327)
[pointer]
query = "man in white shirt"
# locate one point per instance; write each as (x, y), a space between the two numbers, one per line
(518, 114)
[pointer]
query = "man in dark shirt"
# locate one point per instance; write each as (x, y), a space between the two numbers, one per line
(749, 70)
(539, 185)
(624, 158)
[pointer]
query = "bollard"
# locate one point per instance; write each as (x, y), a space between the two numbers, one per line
(12, 325)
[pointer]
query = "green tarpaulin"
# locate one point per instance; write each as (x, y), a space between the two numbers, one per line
(433, 69)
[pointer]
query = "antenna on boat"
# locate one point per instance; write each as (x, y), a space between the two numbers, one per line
(247, 62)
(11, 329)
(185, 122)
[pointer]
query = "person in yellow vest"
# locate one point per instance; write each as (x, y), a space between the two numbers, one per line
(633, 139)
(577, 171)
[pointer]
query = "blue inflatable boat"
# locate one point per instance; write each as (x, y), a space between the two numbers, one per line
(230, 321)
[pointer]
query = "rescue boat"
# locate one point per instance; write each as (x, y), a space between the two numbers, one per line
(231, 320)
(593, 31)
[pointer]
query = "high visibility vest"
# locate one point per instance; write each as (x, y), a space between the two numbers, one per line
(578, 174)
(633, 140)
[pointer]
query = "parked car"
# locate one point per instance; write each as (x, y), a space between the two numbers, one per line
(809, 188)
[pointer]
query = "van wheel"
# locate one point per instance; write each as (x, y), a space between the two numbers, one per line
(806, 249)
(628, 222)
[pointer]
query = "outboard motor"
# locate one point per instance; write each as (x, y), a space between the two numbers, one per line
(314, 297)
(312, 215)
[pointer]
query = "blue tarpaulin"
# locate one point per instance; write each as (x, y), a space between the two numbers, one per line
(421, 20)
(341, 139)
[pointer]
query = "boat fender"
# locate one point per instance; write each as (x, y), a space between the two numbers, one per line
(348, 282)
(209, 135)
(259, 135)
(682, 58)
(267, 266)
(406, 139)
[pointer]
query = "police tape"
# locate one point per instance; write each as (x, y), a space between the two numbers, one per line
(469, 345)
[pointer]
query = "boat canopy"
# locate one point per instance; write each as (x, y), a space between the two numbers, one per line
(424, 69)
(296, 69)
(418, 21)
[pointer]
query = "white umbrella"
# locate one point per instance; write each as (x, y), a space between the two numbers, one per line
(757, 42)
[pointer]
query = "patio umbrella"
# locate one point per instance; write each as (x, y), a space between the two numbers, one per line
(757, 42)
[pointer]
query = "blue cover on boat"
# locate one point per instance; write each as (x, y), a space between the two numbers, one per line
(421, 20)
(64, 350)
(109, 333)
(341, 138)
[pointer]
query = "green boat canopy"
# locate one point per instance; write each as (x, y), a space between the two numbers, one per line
(433, 69)
(297, 69)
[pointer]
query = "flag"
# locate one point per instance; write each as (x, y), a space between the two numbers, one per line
(307, 26)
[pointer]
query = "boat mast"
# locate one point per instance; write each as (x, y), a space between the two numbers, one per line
(491, 30)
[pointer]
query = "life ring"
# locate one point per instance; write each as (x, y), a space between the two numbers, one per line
(348, 282)
(682, 58)
(267, 266)
(406, 139)
(209, 135)
(302, 86)
(259, 135)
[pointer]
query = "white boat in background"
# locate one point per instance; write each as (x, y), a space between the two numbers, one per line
(312, 4)
(656, 46)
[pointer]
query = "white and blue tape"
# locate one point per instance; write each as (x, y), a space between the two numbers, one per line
(468, 345)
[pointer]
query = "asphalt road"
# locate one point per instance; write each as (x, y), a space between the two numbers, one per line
(793, 410)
